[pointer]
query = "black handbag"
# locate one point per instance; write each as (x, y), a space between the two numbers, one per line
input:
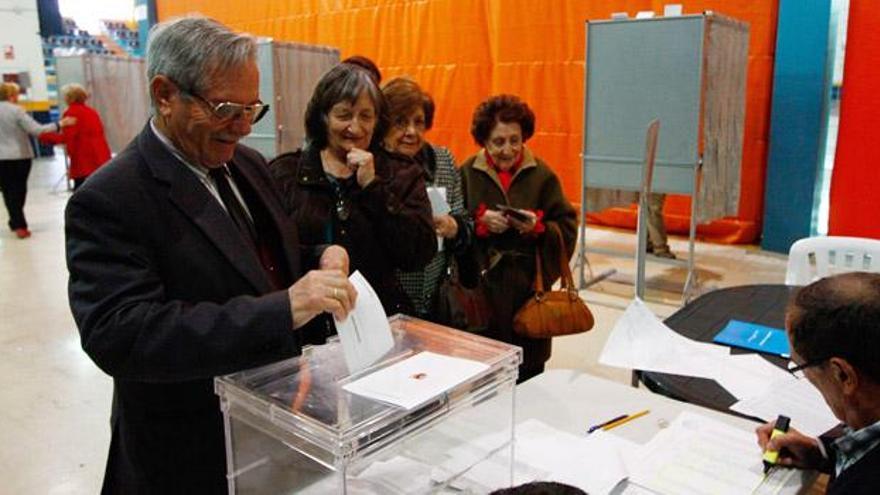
(461, 307)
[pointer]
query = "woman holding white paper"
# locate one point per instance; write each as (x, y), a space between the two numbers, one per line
(411, 114)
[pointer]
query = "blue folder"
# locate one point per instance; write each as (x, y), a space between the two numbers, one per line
(754, 337)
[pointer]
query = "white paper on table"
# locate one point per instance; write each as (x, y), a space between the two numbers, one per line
(417, 379)
(748, 375)
(698, 455)
(365, 334)
(593, 463)
(639, 340)
(797, 399)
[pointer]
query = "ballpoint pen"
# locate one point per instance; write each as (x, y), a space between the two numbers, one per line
(625, 420)
(600, 425)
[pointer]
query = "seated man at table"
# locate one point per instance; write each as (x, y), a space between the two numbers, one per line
(834, 329)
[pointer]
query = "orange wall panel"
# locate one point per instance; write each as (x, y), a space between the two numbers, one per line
(856, 177)
(462, 51)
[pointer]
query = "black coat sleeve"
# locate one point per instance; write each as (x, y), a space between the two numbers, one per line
(131, 324)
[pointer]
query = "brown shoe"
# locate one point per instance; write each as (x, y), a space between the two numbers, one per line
(665, 253)
(22, 233)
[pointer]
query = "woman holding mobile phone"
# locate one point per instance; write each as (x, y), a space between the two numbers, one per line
(513, 196)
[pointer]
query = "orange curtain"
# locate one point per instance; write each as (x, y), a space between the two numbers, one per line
(462, 51)
(856, 177)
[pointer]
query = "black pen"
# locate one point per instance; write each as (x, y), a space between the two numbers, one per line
(600, 425)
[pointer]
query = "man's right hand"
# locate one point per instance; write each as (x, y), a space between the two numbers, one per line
(795, 449)
(319, 291)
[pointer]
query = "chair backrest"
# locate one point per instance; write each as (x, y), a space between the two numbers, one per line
(816, 257)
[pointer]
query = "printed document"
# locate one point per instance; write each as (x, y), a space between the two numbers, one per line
(365, 334)
(797, 399)
(696, 455)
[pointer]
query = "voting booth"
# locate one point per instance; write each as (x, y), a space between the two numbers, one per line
(117, 89)
(293, 427)
(688, 72)
(289, 73)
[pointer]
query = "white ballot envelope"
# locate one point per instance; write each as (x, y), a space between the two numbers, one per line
(365, 334)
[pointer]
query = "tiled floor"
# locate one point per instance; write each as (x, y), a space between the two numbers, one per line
(54, 403)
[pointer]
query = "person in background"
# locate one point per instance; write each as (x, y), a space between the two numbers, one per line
(344, 188)
(16, 154)
(505, 172)
(184, 265)
(367, 65)
(658, 243)
(832, 325)
(86, 145)
(411, 113)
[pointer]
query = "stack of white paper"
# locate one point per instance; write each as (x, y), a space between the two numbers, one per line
(797, 399)
(593, 462)
(641, 341)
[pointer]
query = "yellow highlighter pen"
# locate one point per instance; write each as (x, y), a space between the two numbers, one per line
(771, 456)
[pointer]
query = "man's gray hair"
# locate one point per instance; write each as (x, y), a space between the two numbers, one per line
(193, 51)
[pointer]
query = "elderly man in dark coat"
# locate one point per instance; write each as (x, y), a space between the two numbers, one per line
(184, 265)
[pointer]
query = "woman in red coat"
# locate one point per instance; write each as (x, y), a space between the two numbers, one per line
(86, 145)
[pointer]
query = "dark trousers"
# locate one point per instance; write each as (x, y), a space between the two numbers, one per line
(13, 180)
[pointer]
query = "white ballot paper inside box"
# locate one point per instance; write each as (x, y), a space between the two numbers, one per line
(416, 379)
(365, 334)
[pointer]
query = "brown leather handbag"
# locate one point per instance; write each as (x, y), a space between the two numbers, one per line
(461, 307)
(555, 312)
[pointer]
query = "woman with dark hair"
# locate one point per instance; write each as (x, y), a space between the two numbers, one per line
(343, 188)
(86, 144)
(515, 198)
(411, 114)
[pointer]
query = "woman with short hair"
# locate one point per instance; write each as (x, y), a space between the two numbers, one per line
(344, 188)
(506, 175)
(16, 154)
(86, 144)
(411, 114)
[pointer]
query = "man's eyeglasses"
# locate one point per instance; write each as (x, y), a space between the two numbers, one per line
(227, 110)
(798, 370)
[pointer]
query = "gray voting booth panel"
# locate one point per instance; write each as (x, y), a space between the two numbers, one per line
(639, 71)
(289, 73)
(118, 92)
(688, 72)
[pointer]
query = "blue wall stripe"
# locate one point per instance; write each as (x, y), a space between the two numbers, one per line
(796, 121)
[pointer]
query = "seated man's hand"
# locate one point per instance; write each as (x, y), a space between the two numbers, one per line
(325, 290)
(795, 449)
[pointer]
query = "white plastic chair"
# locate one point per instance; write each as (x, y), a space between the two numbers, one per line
(816, 257)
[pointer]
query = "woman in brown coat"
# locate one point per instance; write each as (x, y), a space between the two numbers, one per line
(506, 173)
(343, 188)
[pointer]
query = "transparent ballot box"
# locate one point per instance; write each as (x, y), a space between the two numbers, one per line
(292, 428)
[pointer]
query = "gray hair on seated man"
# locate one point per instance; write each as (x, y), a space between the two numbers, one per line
(192, 51)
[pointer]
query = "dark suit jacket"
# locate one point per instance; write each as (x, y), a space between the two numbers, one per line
(167, 295)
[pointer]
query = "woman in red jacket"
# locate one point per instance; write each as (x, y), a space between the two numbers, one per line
(86, 145)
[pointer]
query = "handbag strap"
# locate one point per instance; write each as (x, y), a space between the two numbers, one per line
(566, 279)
